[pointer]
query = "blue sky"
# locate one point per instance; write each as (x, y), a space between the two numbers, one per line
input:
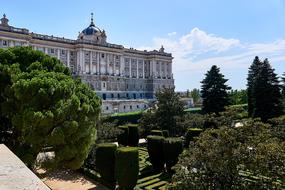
(199, 33)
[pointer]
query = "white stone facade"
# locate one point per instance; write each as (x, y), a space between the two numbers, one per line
(114, 72)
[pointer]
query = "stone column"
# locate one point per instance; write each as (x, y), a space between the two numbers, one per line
(68, 58)
(143, 69)
(97, 63)
(130, 62)
(90, 63)
(58, 54)
(122, 65)
(107, 63)
(137, 68)
(154, 68)
(114, 64)
(46, 50)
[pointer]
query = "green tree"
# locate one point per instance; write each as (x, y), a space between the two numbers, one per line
(283, 85)
(42, 106)
(238, 97)
(214, 91)
(264, 93)
(248, 157)
(169, 107)
(195, 94)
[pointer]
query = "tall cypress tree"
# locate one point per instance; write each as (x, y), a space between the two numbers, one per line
(264, 91)
(214, 91)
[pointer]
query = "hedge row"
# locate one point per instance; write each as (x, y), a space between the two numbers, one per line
(130, 135)
(191, 134)
(122, 119)
(164, 151)
(117, 164)
(127, 167)
(163, 133)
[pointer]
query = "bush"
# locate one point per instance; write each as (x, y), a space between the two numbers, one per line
(156, 133)
(123, 137)
(105, 162)
(155, 151)
(190, 134)
(124, 118)
(172, 148)
(133, 135)
(127, 167)
(165, 133)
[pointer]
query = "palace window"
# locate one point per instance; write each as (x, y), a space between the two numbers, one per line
(102, 55)
(138, 106)
(5, 43)
(62, 52)
(52, 50)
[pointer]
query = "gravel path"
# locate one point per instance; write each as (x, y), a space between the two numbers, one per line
(70, 180)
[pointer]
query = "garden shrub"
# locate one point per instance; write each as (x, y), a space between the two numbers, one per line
(191, 134)
(127, 167)
(155, 151)
(156, 133)
(123, 138)
(133, 135)
(172, 148)
(165, 133)
(105, 162)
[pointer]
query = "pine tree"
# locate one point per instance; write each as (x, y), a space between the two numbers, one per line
(264, 91)
(214, 91)
(283, 85)
(252, 74)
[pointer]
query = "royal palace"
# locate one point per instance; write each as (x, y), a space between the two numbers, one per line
(125, 78)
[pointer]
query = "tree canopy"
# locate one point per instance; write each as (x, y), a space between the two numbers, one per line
(214, 91)
(42, 106)
(247, 157)
(264, 92)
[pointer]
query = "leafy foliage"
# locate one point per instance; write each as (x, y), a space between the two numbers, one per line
(172, 148)
(238, 97)
(127, 167)
(105, 162)
(123, 138)
(155, 151)
(107, 131)
(214, 91)
(42, 106)
(191, 134)
(248, 157)
(165, 113)
(133, 138)
(264, 96)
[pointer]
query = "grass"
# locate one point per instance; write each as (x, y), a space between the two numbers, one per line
(148, 179)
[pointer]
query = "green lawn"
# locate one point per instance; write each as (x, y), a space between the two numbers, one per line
(147, 178)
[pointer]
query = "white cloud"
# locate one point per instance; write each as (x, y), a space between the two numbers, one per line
(197, 51)
(171, 33)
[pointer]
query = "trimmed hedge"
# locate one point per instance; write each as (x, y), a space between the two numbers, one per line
(155, 151)
(165, 133)
(127, 167)
(133, 137)
(191, 134)
(105, 162)
(123, 138)
(173, 146)
(123, 118)
(156, 133)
